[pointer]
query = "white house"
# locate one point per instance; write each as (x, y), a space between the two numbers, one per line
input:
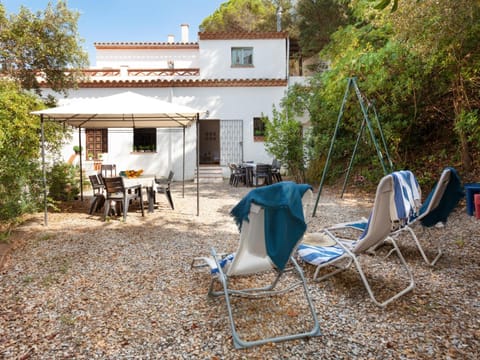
(232, 78)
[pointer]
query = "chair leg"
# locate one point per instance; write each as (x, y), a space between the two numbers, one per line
(107, 209)
(140, 199)
(125, 204)
(169, 198)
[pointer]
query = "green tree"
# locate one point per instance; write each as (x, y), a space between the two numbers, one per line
(284, 139)
(249, 15)
(445, 35)
(45, 43)
(317, 20)
(419, 67)
(19, 171)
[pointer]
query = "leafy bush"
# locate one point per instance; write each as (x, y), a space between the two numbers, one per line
(63, 182)
(21, 185)
(284, 141)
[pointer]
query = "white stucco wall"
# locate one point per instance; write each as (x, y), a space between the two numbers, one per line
(269, 59)
(229, 103)
(147, 58)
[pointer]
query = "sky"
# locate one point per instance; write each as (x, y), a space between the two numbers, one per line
(129, 20)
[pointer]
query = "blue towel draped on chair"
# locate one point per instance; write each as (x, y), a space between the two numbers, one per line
(284, 220)
(453, 194)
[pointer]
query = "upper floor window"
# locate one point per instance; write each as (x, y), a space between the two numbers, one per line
(145, 139)
(242, 56)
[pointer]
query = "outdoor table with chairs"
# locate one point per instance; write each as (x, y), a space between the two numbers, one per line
(251, 174)
(123, 189)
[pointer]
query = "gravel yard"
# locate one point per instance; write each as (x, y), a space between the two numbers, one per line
(86, 289)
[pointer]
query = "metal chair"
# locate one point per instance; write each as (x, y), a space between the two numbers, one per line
(265, 252)
(98, 198)
(163, 187)
(118, 192)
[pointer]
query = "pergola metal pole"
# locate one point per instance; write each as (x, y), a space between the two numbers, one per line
(44, 173)
(198, 164)
(81, 167)
(183, 169)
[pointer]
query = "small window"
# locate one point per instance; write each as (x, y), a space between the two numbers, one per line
(259, 127)
(242, 56)
(144, 140)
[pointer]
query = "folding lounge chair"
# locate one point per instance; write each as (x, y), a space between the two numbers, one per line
(441, 201)
(342, 252)
(271, 222)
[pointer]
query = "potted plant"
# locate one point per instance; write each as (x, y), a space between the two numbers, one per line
(90, 156)
(77, 149)
(258, 135)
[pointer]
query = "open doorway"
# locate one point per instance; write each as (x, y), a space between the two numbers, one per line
(210, 142)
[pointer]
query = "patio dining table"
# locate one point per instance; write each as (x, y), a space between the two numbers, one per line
(148, 183)
(251, 171)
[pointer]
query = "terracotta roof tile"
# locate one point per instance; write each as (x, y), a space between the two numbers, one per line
(225, 35)
(144, 45)
(182, 83)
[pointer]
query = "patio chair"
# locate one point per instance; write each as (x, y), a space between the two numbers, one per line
(238, 175)
(163, 187)
(232, 176)
(341, 252)
(441, 201)
(117, 191)
(263, 171)
(98, 198)
(276, 166)
(271, 223)
(112, 168)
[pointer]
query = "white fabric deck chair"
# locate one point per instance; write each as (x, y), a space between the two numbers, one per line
(271, 222)
(443, 198)
(342, 252)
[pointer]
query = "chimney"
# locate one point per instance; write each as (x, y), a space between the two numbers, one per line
(279, 19)
(184, 33)
(171, 39)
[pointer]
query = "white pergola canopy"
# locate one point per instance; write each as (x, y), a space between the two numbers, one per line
(124, 110)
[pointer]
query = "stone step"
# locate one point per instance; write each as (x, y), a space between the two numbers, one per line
(209, 174)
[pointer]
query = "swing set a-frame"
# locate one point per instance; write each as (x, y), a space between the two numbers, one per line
(352, 82)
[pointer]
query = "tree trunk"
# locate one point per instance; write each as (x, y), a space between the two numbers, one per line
(461, 103)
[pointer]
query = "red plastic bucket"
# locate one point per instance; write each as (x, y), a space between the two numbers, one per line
(477, 206)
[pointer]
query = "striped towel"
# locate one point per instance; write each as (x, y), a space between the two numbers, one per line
(407, 196)
(224, 263)
(317, 255)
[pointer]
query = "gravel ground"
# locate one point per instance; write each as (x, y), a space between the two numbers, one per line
(86, 289)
